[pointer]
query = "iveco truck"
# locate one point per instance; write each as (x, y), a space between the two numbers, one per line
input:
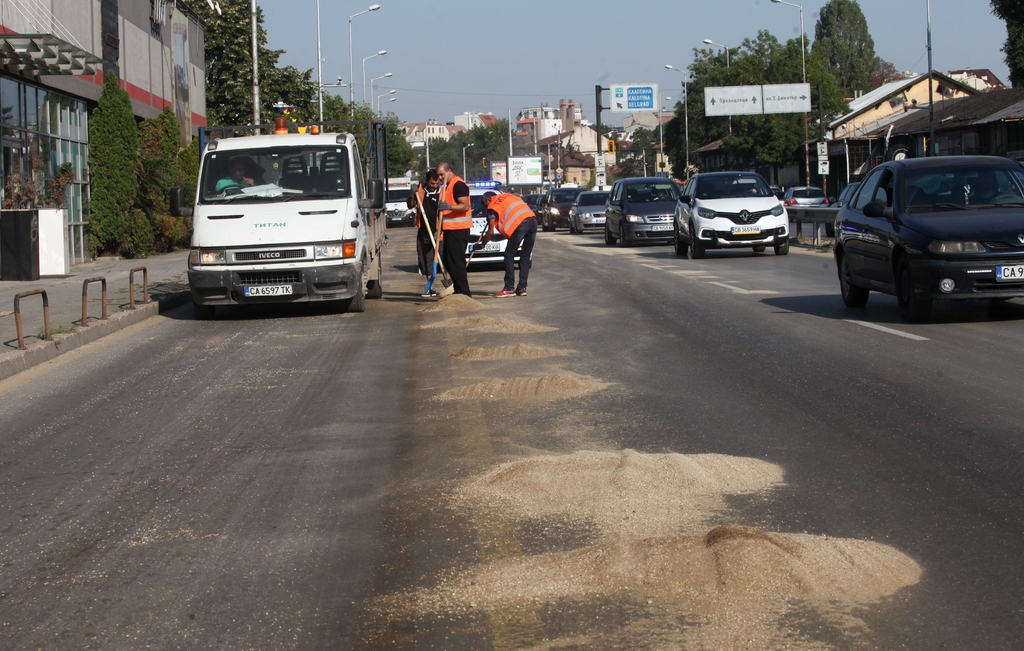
(285, 219)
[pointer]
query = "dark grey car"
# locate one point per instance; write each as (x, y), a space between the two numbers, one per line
(641, 210)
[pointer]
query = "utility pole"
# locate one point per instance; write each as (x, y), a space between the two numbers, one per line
(931, 97)
(599, 156)
(255, 69)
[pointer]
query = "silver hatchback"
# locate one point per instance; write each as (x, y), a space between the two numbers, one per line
(587, 213)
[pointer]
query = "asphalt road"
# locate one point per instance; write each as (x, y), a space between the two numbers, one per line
(296, 479)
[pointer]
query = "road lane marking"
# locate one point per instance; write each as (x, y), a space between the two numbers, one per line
(23, 378)
(651, 266)
(898, 333)
(735, 289)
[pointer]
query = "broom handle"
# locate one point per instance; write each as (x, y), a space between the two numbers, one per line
(423, 213)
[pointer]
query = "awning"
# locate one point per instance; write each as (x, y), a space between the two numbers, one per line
(32, 55)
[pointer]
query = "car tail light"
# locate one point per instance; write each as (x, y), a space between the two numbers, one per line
(790, 202)
(824, 202)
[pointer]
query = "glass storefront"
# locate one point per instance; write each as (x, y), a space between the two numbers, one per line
(40, 130)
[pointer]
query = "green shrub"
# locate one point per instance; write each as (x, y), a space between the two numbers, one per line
(113, 161)
(138, 237)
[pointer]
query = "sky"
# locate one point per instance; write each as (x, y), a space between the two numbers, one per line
(481, 56)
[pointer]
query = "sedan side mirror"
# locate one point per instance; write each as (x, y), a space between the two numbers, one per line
(874, 209)
(685, 199)
(374, 198)
(177, 201)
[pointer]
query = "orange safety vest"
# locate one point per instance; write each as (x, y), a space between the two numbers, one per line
(454, 220)
(421, 193)
(511, 210)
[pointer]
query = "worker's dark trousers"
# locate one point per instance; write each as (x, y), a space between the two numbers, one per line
(525, 234)
(424, 251)
(453, 254)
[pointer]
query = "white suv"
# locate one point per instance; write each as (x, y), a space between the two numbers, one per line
(726, 210)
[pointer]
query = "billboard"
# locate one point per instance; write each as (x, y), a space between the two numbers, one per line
(499, 172)
(627, 98)
(525, 170)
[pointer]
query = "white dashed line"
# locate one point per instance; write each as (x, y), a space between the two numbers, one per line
(735, 289)
(898, 333)
(650, 266)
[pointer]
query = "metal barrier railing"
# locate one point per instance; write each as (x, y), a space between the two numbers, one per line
(17, 315)
(817, 217)
(85, 298)
(131, 286)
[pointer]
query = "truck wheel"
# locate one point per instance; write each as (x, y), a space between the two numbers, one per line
(358, 302)
(374, 289)
(203, 312)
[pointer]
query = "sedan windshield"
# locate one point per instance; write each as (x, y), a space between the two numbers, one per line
(731, 186)
(563, 196)
(654, 192)
(276, 174)
(958, 187)
(593, 198)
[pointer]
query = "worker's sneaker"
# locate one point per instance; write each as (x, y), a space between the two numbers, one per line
(505, 293)
(429, 294)
(521, 291)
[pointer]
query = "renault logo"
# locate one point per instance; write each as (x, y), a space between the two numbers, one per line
(1020, 238)
(744, 215)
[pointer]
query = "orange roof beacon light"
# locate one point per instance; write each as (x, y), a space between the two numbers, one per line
(315, 129)
(280, 126)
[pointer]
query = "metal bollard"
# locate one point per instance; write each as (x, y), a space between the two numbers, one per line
(131, 286)
(85, 298)
(817, 234)
(17, 315)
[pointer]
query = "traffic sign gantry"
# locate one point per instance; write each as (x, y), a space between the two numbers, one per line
(732, 100)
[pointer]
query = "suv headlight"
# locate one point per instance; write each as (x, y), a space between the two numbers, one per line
(778, 210)
(328, 251)
(939, 246)
(199, 256)
(706, 213)
(635, 219)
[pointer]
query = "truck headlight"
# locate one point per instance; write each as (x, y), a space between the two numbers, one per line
(635, 219)
(199, 256)
(328, 251)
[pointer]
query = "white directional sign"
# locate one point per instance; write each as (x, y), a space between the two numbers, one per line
(822, 151)
(732, 100)
(627, 98)
(823, 167)
(786, 98)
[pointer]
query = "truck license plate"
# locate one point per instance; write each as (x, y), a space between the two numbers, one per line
(267, 290)
(1014, 273)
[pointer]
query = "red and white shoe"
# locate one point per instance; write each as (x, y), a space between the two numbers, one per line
(505, 293)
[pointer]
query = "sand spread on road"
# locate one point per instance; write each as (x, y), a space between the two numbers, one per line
(455, 303)
(551, 387)
(519, 351)
(489, 324)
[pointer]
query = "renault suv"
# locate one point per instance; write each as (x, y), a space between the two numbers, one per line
(728, 210)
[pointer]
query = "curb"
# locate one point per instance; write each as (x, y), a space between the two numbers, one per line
(16, 361)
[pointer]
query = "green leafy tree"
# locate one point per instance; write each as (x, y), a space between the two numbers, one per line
(638, 159)
(1012, 11)
(113, 156)
(490, 142)
(401, 156)
(842, 41)
(159, 171)
(229, 69)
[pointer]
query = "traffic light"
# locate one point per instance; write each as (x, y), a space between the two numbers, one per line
(483, 162)
(611, 146)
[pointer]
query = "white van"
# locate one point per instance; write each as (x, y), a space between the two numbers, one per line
(284, 219)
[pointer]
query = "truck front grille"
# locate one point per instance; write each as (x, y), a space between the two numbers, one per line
(270, 277)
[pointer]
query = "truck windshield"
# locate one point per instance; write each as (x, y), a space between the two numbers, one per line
(399, 195)
(276, 174)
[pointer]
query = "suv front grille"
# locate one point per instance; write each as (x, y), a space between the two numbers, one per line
(270, 277)
(751, 218)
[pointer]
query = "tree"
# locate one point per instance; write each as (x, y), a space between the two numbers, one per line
(158, 171)
(400, 153)
(842, 41)
(1012, 11)
(490, 142)
(113, 157)
(883, 74)
(639, 158)
(229, 69)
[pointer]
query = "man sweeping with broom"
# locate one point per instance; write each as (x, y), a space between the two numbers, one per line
(456, 220)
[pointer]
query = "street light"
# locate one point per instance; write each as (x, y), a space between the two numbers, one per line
(390, 92)
(379, 54)
(464, 159)
(803, 62)
(708, 41)
(321, 91)
(661, 129)
(351, 88)
(384, 76)
(686, 112)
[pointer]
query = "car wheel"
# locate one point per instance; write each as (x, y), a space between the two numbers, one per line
(696, 246)
(781, 249)
(913, 306)
(545, 224)
(853, 296)
(609, 239)
(203, 312)
(682, 248)
(572, 227)
(624, 236)
(759, 249)
(358, 302)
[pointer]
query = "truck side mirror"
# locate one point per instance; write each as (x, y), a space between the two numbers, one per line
(374, 198)
(178, 208)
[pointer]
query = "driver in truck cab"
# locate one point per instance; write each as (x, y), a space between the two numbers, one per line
(236, 177)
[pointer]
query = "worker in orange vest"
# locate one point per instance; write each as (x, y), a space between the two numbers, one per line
(516, 221)
(456, 220)
(428, 195)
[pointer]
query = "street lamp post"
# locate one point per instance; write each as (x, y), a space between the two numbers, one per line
(390, 92)
(661, 130)
(255, 69)
(686, 113)
(384, 76)
(708, 41)
(379, 54)
(464, 159)
(351, 88)
(803, 63)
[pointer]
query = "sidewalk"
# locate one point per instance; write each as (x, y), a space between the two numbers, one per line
(167, 285)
